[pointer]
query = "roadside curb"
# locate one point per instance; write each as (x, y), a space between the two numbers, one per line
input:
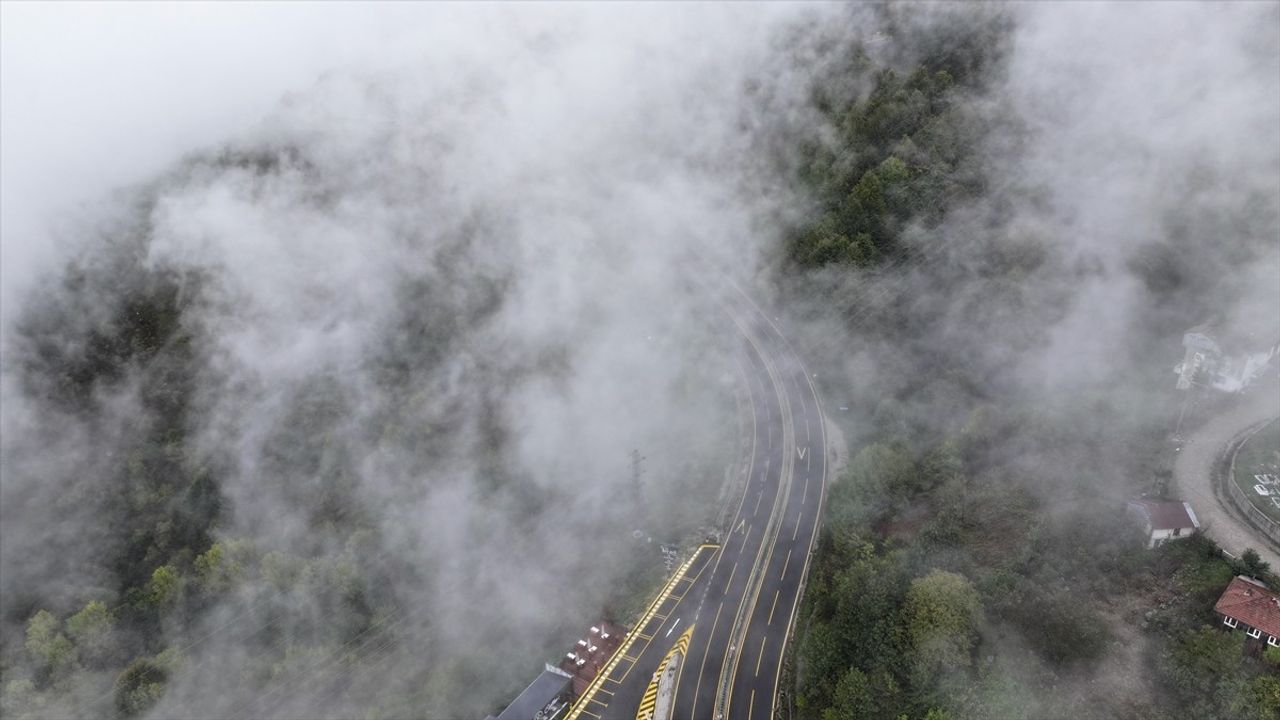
(581, 703)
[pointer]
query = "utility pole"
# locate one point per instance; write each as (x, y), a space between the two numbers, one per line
(637, 472)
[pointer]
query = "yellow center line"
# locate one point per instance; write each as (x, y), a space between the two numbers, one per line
(761, 656)
(775, 607)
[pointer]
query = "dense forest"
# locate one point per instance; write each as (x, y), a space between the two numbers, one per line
(206, 536)
(370, 412)
(976, 560)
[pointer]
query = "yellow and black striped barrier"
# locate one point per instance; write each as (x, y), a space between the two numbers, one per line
(650, 699)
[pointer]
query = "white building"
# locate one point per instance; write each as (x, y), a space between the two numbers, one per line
(1205, 365)
(1164, 520)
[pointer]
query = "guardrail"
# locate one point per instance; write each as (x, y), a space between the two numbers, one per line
(581, 703)
(738, 631)
(1256, 517)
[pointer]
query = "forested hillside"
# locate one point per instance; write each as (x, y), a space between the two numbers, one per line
(368, 406)
(976, 561)
(296, 433)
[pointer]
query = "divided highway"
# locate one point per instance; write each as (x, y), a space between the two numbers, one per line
(741, 597)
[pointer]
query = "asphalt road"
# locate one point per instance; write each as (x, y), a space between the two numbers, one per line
(1193, 473)
(741, 597)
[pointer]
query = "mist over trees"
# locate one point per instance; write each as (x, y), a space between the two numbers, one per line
(335, 417)
(976, 561)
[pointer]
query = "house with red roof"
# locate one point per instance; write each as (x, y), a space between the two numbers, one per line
(1164, 520)
(1249, 605)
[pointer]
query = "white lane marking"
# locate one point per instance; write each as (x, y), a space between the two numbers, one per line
(802, 450)
(673, 627)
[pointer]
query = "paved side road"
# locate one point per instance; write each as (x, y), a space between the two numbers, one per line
(1193, 475)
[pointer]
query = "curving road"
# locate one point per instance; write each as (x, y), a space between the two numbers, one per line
(1194, 473)
(741, 597)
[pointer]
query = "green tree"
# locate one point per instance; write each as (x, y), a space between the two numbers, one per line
(1201, 667)
(164, 587)
(1261, 700)
(942, 612)
(1252, 564)
(92, 629)
(851, 699)
(139, 687)
(52, 652)
(22, 700)
(222, 566)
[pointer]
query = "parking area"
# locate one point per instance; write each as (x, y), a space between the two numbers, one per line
(1257, 470)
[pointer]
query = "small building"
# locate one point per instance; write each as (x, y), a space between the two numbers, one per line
(1200, 360)
(1249, 605)
(1206, 365)
(591, 653)
(542, 699)
(1164, 520)
(558, 685)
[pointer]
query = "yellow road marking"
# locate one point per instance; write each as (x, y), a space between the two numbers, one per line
(822, 428)
(775, 606)
(646, 646)
(579, 707)
(760, 657)
(650, 699)
(786, 477)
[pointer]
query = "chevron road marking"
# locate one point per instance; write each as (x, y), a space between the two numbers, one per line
(579, 707)
(650, 699)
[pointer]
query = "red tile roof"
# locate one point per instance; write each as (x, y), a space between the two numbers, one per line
(1167, 514)
(605, 637)
(1251, 603)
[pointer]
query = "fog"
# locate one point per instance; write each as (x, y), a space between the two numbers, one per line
(442, 268)
(438, 293)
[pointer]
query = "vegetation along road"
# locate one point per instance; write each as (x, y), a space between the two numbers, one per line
(741, 597)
